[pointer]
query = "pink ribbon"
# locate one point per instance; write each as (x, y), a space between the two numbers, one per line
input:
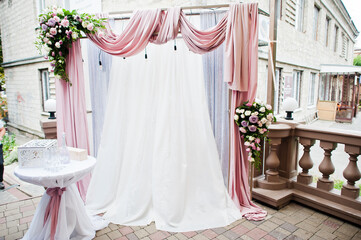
(53, 208)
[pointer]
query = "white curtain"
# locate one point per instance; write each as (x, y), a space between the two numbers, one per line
(217, 93)
(158, 159)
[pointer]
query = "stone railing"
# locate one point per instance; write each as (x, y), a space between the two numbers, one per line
(49, 128)
(286, 177)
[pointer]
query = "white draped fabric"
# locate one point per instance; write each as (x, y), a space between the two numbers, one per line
(158, 159)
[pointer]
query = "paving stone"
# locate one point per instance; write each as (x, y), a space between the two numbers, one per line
(303, 234)
(126, 230)
(23, 227)
(211, 234)
(294, 219)
(171, 238)
(248, 225)
(341, 236)
(269, 237)
(279, 215)
(114, 234)
(219, 230)
(221, 237)
(189, 234)
(348, 229)
(141, 233)
(180, 236)
(279, 233)
(13, 217)
(308, 227)
(159, 235)
(293, 237)
(122, 238)
(12, 223)
(13, 230)
(14, 236)
(102, 237)
(103, 231)
(317, 218)
(289, 227)
(268, 226)
(28, 213)
(132, 236)
(240, 230)
(276, 220)
(135, 228)
(14, 205)
(256, 233)
(11, 212)
(150, 229)
(245, 237)
(288, 210)
(314, 237)
(325, 234)
(200, 237)
(230, 235)
(27, 208)
(113, 226)
(4, 232)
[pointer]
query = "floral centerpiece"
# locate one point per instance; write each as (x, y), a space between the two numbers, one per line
(58, 29)
(253, 120)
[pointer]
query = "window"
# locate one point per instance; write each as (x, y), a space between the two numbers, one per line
(45, 85)
(296, 86)
(315, 22)
(40, 6)
(343, 50)
(335, 38)
(327, 30)
(277, 91)
(299, 14)
(347, 45)
(278, 9)
(312, 90)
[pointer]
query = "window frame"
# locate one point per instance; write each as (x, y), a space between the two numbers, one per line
(312, 90)
(300, 11)
(297, 84)
(45, 86)
(328, 21)
(317, 10)
(335, 38)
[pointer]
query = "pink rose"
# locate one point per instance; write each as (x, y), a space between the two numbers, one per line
(45, 57)
(53, 54)
(242, 130)
(65, 23)
(258, 149)
(249, 104)
(56, 18)
(258, 140)
(46, 40)
(247, 149)
(90, 26)
(53, 31)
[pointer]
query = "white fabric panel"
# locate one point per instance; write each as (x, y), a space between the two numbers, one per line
(158, 159)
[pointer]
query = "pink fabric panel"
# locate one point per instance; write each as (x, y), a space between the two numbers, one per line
(52, 209)
(134, 38)
(168, 27)
(242, 59)
(71, 108)
(202, 41)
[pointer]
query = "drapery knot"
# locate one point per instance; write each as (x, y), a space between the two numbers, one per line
(53, 208)
(168, 26)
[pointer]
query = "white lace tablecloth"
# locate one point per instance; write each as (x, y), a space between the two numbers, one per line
(73, 221)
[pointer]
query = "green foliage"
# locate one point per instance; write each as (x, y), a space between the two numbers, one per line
(8, 144)
(58, 29)
(357, 61)
(338, 184)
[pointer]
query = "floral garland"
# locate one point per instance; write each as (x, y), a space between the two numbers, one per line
(58, 29)
(253, 120)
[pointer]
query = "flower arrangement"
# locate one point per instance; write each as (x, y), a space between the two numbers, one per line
(253, 120)
(58, 29)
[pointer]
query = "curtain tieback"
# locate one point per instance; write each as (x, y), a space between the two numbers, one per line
(53, 208)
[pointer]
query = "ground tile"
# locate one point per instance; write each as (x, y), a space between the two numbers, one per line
(348, 229)
(113, 226)
(269, 237)
(159, 235)
(103, 231)
(308, 227)
(240, 230)
(210, 234)
(199, 237)
(289, 227)
(315, 237)
(341, 236)
(114, 234)
(122, 238)
(256, 233)
(14, 236)
(279, 233)
(325, 234)
(276, 220)
(189, 234)
(268, 226)
(126, 230)
(102, 237)
(248, 225)
(150, 228)
(221, 237)
(293, 237)
(317, 218)
(331, 223)
(219, 230)
(132, 236)
(303, 234)
(141, 233)
(246, 237)
(231, 235)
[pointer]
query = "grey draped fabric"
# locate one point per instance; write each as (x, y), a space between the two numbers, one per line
(217, 93)
(99, 73)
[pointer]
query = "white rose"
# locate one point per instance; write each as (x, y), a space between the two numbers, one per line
(59, 11)
(246, 144)
(236, 117)
(242, 116)
(269, 107)
(238, 110)
(262, 109)
(50, 43)
(268, 123)
(59, 31)
(251, 159)
(254, 104)
(74, 35)
(263, 120)
(242, 110)
(248, 112)
(57, 44)
(84, 24)
(253, 114)
(251, 138)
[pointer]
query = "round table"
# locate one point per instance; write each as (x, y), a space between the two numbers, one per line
(72, 221)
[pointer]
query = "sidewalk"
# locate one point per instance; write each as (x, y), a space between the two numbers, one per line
(291, 222)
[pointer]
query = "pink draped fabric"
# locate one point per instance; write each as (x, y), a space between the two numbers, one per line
(239, 29)
(71, 108)
(241, 67)
(53, 208)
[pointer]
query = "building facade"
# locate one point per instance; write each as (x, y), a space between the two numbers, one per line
(310, 33)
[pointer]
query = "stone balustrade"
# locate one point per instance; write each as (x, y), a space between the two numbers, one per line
(283, 181)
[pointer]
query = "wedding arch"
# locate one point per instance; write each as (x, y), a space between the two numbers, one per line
(238, 29)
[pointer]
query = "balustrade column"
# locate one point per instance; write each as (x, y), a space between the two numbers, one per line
(351, 173)
(305, 161)
(272, 161)
(326, 167)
